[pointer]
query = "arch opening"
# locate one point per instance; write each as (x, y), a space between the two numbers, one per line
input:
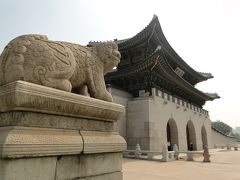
(191, 136)
(172, 134)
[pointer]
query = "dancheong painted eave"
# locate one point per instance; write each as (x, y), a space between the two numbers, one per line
(153, 32)
(158, 69)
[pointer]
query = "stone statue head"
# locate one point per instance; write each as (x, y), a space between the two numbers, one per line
(108, 54)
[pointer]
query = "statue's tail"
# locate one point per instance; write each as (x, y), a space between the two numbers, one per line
(12, 58)
(2, 64)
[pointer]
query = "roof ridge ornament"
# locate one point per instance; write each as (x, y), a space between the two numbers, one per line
(155, 17)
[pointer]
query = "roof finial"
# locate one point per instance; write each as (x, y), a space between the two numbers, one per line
(154, 16)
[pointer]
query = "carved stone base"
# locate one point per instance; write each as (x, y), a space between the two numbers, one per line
(18, 142)
(97, 166)
(51, 134)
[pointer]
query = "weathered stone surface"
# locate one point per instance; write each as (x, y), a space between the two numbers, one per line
(164, 153)
(73, 167)
(176, 151)
(70, 136)
(60, 65)
(206, 154)
(18, 142)
(82, 167)
(32, 119)
(99, 142)
(110, 176)
(28, 168)
(190, 155)
(147, 121)
(24, 96)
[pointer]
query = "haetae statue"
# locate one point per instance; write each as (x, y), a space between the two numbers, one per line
(61, 65)
(206, 154)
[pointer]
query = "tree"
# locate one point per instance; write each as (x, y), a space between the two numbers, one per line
(221, 126)
(235, 135)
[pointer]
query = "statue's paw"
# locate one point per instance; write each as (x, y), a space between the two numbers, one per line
(62, 84)
(67, 86)
(106, 96)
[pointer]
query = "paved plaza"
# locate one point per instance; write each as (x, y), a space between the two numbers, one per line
(225, 165)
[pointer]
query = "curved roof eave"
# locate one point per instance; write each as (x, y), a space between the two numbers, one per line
(139, 67)
(223, 133)
(167, 70)
(207, 75)
(170, 73)
(147, 31)
(213, 95)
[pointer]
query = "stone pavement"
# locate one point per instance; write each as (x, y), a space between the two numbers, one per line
(225, 165)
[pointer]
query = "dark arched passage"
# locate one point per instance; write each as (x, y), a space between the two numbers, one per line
(191, 136)
(172, 134)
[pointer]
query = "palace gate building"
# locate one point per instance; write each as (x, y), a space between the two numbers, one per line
(157, 87)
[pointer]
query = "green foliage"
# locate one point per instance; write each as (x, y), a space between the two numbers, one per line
(221, 126)
(236, 135)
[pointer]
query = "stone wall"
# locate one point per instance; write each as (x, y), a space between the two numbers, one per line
(147, 119)
(219, 139)
(121, 97)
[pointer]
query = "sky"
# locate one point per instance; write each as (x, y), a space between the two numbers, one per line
(205, 33)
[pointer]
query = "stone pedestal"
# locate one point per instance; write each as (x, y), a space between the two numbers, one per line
(228, 147)
(50, 134)
(206, 154)
(164, 153)
(190, 156)
(176, 151)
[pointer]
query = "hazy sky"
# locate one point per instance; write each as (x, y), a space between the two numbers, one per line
(205, 33)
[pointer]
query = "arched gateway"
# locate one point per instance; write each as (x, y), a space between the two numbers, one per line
(172, 134)
(191, 136)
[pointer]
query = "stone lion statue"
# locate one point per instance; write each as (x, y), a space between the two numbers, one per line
(61, 65)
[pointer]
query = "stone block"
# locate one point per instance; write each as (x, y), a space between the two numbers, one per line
(190, 156)
(18, 142)
(28, 168)
(50, 134)
(33, 119)
(73, 167)
(110, 176)
(100, 142)
(24, 96)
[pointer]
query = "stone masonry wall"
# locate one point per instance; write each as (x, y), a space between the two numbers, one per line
(147, 117)
(121, 97)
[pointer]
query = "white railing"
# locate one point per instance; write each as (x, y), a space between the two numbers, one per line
(149, 155)
(165, 155)
(227, 146)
